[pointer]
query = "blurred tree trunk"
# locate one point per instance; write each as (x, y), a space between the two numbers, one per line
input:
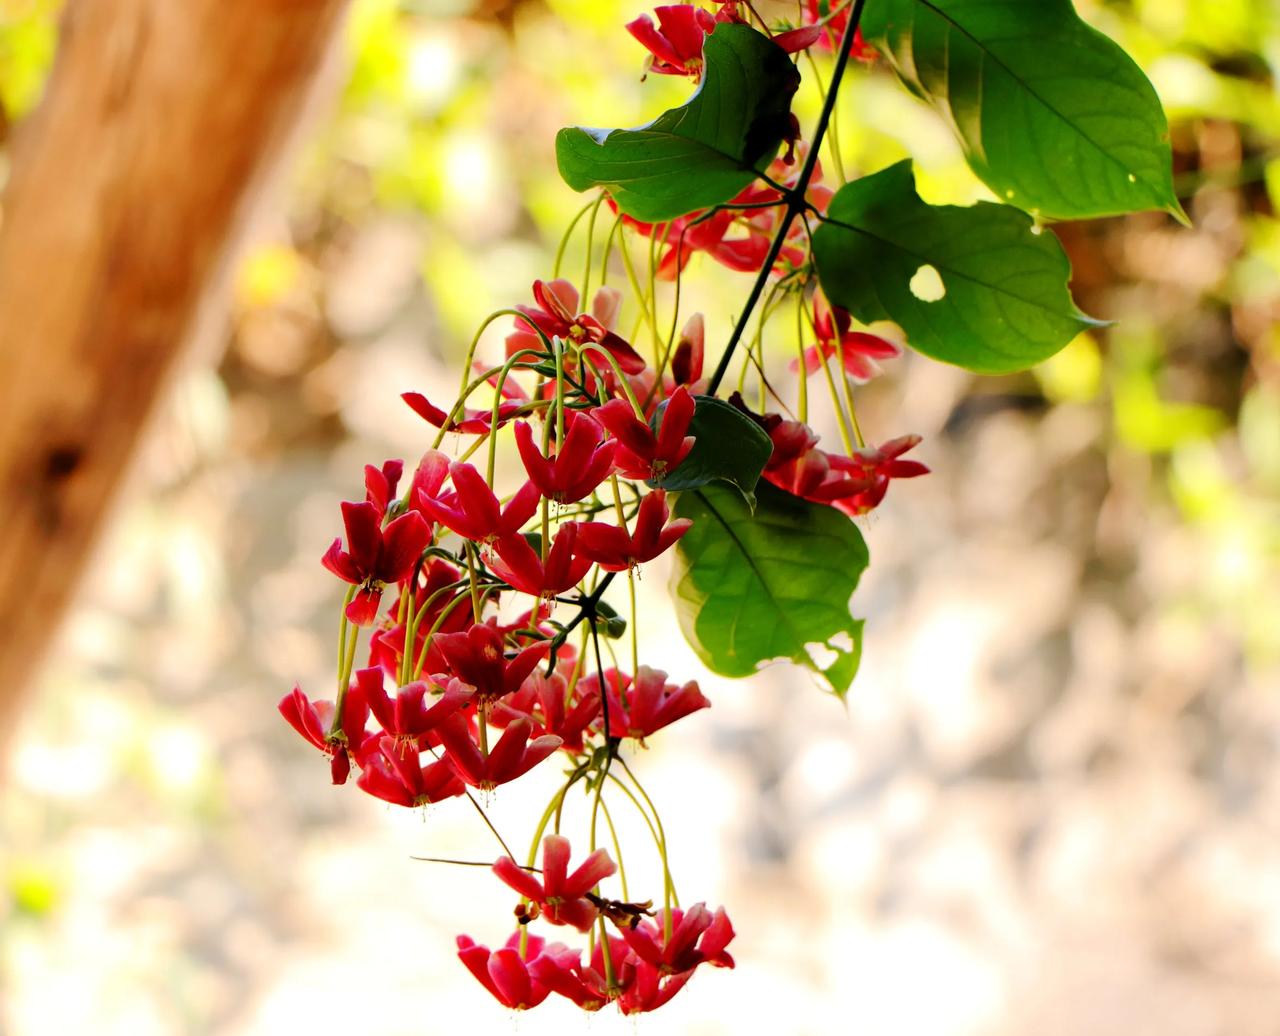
(127, 186)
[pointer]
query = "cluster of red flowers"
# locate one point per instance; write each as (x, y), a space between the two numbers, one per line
(455, 696)
(486, 660)
(641, 968)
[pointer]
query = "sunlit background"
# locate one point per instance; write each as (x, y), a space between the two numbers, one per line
(1052, 804)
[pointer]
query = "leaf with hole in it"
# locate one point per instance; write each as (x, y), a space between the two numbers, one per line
(974, 286)
(1053, 116)
(752, 587)
(702, 153)
(728, 446)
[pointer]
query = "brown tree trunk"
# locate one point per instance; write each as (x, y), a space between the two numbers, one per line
(127, 186)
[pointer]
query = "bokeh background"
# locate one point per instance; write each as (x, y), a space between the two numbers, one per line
(1052, 803)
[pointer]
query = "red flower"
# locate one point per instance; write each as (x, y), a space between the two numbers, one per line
(686, 361)
(816, 10)
(641, 454)
(685, 235)
(508, 976)
(581, 462)
(791, 440)
(639, 707)
(877, 465)
(646, 988)
(313, 720)
(697, 937)
(473, 511)
(518, 563)
(477, 657)
(469, 422)
(375, 556)
(616, 550)
(559, 894)
(395, 774)
(513, 756)
(883, 460)
(697, 232)
(407, 717)
(816, 476)
(557, 317)
(676, 44)
(858, 350)
(564, 974)
(380, 484)
(543, 700)
(386, 646)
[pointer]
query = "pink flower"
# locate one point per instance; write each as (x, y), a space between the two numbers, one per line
(617, 550)
(560, 895)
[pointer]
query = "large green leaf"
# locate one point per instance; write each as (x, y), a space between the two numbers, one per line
(728, 446)
(754, 587)
(702, 153)
(998, 300)
(1053, 115)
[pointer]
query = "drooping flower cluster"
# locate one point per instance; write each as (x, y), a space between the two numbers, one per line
(484, 602)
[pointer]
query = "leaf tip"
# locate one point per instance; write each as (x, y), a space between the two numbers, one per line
(1175, 209)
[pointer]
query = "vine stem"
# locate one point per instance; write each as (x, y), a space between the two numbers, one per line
(795, 197)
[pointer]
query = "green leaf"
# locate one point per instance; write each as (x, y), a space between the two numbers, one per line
(977, 287)
(1053, 116)
(702, 153)
(753, 587)
(729, 447)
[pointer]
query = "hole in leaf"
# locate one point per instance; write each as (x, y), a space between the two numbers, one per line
(841, 642)
(926, 284)
(822, 656)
